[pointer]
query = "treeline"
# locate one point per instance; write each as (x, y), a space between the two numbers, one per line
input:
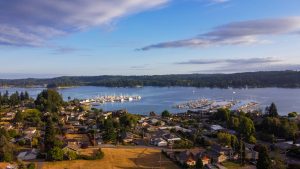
(290, 79)
(13, 99)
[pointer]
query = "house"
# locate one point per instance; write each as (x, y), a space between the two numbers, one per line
(217, 157)
(210, 166)
(71, 147)
(250, 153)
(8, 116)
(144, 124)
(159, 142)
(107, 114)
(151, 128)
(99, 141)
(30, 130)
(178, 128)
(171, 137)
(190, 157)
(205, 159)
(216, 127)
(219, 154)
(28, 155)
(154, 121)
(222, 150)
(30, 133)
(127, 137)
(11, 166)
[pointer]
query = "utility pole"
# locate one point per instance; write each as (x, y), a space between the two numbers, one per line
(241, 149)
(160, 160)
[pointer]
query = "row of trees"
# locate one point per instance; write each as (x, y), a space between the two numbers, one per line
(250, 79)
(13, 99)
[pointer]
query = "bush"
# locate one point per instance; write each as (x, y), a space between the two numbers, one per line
(252, 140)
(31, 166)
(99, 155)
(56, 154)
(71, 155)
(183, 144)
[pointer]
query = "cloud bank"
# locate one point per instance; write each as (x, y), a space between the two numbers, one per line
(33, 22)
(241, 65)
(249, 61)
(236, 33)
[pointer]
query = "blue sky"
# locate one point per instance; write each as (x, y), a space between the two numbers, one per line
(137, 37)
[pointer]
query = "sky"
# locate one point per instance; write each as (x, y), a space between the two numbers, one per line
(140, 37)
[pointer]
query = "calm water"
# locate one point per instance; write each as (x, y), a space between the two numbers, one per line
(160, 98)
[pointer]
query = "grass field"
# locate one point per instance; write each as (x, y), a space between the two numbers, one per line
(3, 165)
(118, 158)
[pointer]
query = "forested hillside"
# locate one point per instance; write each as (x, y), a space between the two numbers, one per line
(237, 80)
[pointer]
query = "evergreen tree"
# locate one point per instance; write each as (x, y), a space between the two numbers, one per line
(49, 101)
(6, 149)
(22, 96)
(0, 99)
(272, 110)
(199, 164)
(264, 161)
(49, 135)
(26, 96)
(165, 114)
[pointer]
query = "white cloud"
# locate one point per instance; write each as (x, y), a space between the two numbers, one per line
(32, 22)
(233, 62)
(244, 32)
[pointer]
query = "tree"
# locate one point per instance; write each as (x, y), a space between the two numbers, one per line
(234, 142)
(50, 133)
(56, 154)
(26, 96)
(31, 166)
(223, 115)
(234, 122)
(199, 164)
(49, 101)
(224, 138)
(33, 116)
(14, 99)
(6, 149)
(110, 133)
(71, 155)
(246, 127)
(19, 117)
(264, 161)
(279, 162)
(293, 114)
(165, 114)
(272, 110)
(128, 120)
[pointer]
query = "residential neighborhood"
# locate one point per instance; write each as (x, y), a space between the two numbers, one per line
(35, 131)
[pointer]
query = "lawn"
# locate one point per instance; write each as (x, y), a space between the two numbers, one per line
(118, 158)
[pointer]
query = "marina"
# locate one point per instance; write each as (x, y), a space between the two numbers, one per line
(110, 99)
(212, 105)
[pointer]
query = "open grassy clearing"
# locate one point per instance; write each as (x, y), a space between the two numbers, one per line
(118, 158)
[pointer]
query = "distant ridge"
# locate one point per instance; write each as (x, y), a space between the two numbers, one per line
(286, 79)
